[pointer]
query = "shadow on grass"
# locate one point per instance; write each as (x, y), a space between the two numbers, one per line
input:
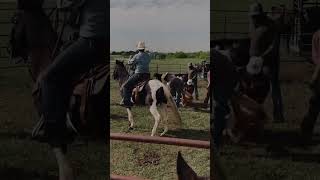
(189, 134)
(118, 117)
(284, 144)
(13, 173)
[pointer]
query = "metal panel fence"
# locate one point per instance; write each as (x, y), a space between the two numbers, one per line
(156, 140)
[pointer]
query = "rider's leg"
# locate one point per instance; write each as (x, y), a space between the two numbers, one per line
(56, 84)
(128, 87)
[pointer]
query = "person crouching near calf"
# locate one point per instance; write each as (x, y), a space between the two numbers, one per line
(188, 94)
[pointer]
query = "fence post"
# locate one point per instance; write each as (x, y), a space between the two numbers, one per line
(225, 27)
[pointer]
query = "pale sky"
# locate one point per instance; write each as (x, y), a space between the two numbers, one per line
(165, 25)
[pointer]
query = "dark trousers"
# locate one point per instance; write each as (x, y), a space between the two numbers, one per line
(221, 110)
(276, 93)
(196, 92)
(176, 90)
(56, 84)
(129, 85)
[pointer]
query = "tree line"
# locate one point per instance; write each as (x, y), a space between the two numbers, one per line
(161, 55)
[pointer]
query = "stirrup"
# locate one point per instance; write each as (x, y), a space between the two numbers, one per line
(70, 125)
(38, 127)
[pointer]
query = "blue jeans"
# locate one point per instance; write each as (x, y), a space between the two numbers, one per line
(56, 84)
(130, 84)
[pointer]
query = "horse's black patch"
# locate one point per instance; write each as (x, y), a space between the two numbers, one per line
(160, 96)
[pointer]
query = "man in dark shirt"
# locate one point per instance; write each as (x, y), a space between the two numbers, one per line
(264, 46)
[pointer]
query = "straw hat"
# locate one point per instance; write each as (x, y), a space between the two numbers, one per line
(256, 9)
(141, 45)
(189, 82)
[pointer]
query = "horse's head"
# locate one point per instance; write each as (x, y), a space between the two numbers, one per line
(119, 70)
(185, 172)
(18, 37)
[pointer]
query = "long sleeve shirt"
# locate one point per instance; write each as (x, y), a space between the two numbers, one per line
(262, 38)
(141, 62)
(91, 16)
(316, 47)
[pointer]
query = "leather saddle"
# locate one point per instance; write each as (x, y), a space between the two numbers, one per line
(92, 83)
(141, 91)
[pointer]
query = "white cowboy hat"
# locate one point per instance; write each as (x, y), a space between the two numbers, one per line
(256, 9)
(141, 45)
(189, 82)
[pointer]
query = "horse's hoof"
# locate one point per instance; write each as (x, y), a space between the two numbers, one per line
(130, 128)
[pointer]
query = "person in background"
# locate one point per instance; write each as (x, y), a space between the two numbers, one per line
(311, 116)
(193, 75)
(264, 52)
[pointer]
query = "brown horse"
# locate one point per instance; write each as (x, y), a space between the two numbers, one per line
(33, 37)
(185, 172)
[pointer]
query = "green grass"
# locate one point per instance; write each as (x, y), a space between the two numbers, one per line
(22, 158)
(127, 157)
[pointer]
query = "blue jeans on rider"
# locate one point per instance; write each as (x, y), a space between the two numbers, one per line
(221, 111)
(56, 84)
(130, 84)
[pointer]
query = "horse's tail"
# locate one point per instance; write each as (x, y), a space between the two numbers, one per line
(176, 119)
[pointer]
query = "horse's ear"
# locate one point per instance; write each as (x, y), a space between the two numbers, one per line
(184, 171)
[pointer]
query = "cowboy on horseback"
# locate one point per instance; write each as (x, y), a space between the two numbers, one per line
(56, 83)
(264, 54)
(141, 62)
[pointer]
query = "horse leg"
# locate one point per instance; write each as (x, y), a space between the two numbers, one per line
(130, 118)
(156, 115)
(164, 113)
(65, 170)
